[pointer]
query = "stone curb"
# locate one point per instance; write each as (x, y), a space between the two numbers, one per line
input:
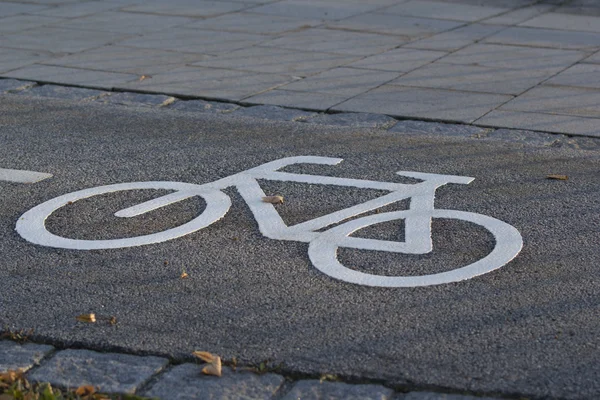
(156, 377)
(276, 113)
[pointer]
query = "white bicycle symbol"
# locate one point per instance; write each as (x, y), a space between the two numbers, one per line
(323, 246)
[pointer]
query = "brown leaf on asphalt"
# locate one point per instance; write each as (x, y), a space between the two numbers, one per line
(273, 199)
(85, 390)
(86, 318)
(143, 77)
(557, 177)
(184, 275)
(112, 320)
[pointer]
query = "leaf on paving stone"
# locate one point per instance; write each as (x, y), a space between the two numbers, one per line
(12, 376)
(205, 356)
(214, 362)
(273, 199)
(213, 368)
(143, 77)
(86, 318)
(85, 390)
(558, 177)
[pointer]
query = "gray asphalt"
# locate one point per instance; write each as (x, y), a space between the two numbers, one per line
(530, 328)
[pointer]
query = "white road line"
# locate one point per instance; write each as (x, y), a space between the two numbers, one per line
(22, 176)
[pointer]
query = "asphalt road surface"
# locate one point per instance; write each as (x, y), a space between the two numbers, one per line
(530, 327)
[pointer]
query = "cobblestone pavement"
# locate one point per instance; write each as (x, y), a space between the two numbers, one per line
(523, 64)
(156, 377)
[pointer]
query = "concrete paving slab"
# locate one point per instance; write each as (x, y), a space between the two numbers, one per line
(185, 382)
(125, 23)
(398, 60)
(9, 8)
(424, 103)
(77, 8)
(195, 41)
(290, 98)
(15, 58)
(582, 23)
(568, 124)
(14, 356)
(443, 10)
(71, 76)
(539, 37)
(188, 8)
(315, 390)
(580, 8)
(336, 41)
(475, 78)
(594, 58)
(412, 27)
(580, 75)
(19, 23)
(262, 299)
(519, 15)
(126, 60)
(558, 100)
(502, 56)
(277, 61)
(455, 39)
(317, 10)
(59, 40)
(254, 23)
(342, 81)
(109, 372)
(208, 82)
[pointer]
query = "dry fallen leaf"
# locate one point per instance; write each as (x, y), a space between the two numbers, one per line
(145, 77)
(214, 362)
(86, 318)
(205, 356)
(12, 376)
(213, 368)
(273, 199)
(184, 275)
(112, 320)
(558, 177)
(85, 390)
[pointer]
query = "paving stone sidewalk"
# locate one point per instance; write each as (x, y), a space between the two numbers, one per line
(520, 64)
(275, 113)
(156, 377)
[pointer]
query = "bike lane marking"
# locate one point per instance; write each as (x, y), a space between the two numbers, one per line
(323, 245)
(22, 176)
